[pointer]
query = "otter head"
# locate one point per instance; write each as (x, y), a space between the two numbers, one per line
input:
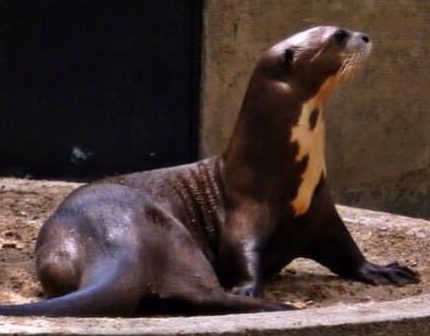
(308, 66)
(280, 133)
(294, 79)
(315, 60)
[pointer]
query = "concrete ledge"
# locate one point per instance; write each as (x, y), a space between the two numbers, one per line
(409, 316)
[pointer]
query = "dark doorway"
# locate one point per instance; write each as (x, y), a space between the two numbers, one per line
(98, 87)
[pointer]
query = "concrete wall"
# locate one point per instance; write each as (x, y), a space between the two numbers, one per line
(378, 152)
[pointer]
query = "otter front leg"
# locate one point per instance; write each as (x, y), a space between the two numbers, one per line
(242, 237)
(334, 247)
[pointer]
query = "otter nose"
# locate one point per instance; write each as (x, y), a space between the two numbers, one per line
(365, 38)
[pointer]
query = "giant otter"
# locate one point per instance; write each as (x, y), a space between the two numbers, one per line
(203, 238)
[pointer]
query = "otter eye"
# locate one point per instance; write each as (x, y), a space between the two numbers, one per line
(340, 36)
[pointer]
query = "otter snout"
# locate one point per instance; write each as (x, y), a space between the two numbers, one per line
(359, 43)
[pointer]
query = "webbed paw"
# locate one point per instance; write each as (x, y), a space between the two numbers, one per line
(392, 273)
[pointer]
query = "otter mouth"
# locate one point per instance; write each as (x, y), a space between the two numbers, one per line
(354, 56)
(352, 61)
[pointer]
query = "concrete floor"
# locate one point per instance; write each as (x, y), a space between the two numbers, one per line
(409, 316)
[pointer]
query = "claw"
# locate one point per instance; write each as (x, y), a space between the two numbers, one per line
(247, 289)
(393, 264)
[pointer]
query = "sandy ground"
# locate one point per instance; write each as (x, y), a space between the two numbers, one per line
(25, 204)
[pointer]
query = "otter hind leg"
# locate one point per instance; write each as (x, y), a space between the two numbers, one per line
(216, 303)
(58, 271)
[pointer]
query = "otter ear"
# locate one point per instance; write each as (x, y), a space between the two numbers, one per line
(288, 58)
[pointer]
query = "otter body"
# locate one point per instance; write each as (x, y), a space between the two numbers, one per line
(203, 238)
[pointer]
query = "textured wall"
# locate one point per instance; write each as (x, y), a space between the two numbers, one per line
(378, 152)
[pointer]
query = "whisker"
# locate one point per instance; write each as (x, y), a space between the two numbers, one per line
(350, 64)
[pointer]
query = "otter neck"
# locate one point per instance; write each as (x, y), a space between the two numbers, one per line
(279, 152)
(309, 134)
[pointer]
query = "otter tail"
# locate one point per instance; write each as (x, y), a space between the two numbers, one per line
(82, 303)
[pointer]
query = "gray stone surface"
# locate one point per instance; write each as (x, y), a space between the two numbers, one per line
(409, 316)
(378, 138)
